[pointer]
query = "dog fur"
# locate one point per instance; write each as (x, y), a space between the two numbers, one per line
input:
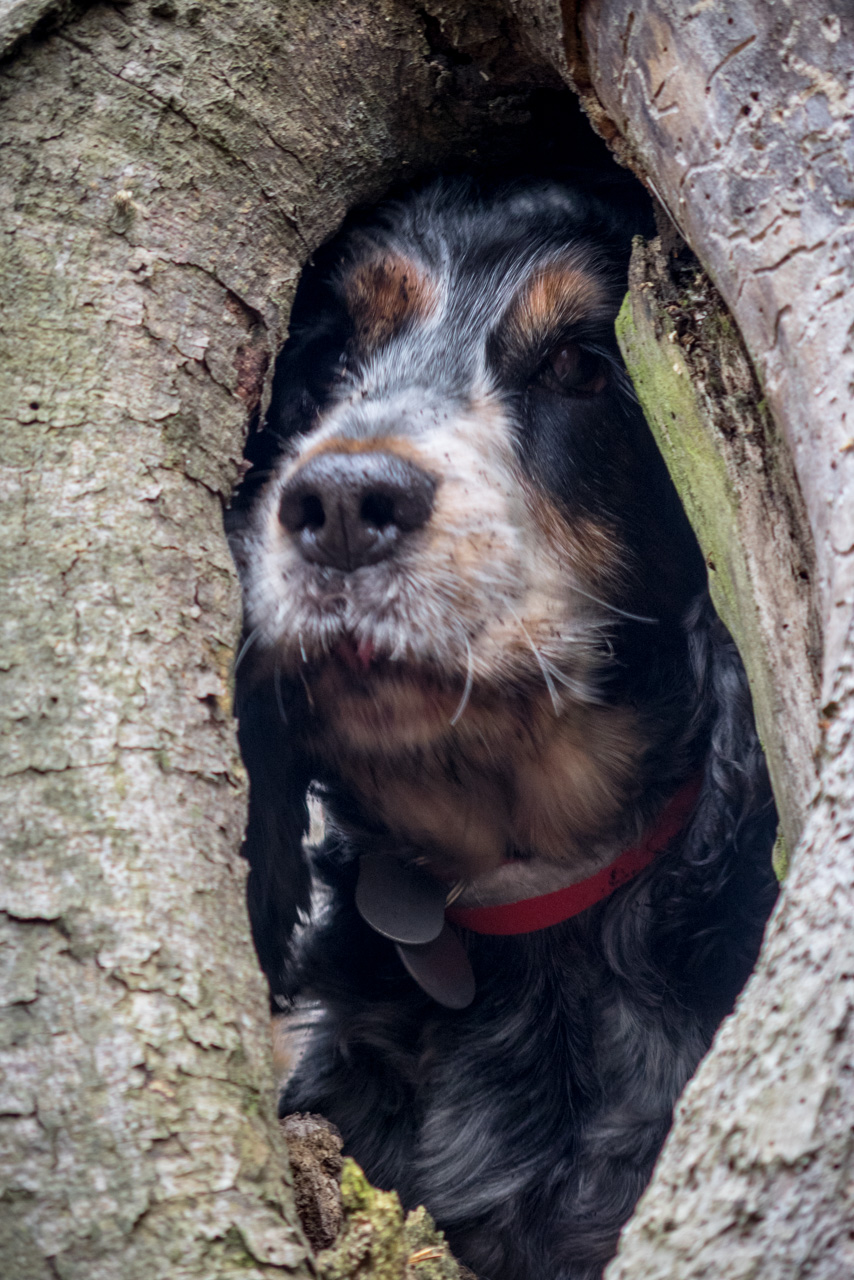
(506, 684)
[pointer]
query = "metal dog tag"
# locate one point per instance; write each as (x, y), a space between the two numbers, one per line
(441, 968)
(401, 902)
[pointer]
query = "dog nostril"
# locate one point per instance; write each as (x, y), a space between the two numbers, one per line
(302, 511)
(377, 509)
(312, 515)
(345, 511)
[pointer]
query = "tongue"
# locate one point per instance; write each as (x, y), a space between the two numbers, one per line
(365, 653)
(356, 657)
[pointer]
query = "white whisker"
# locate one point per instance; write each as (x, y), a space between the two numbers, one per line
(277, 684)
(623, 613)
(469, 681)
(308, 693)
(455, 892)
(553, 693)
(245, 647)
(569, 682)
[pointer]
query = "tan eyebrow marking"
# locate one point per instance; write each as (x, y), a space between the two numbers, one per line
(557, 296)
(384, 293)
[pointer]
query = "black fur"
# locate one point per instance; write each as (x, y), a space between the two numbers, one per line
(529, 1123)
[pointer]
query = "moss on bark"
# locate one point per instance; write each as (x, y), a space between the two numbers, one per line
(701, 398)
(379, 1242)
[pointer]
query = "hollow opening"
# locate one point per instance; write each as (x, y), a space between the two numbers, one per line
(539, 133)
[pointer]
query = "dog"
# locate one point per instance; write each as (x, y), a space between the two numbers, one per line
(477, 625)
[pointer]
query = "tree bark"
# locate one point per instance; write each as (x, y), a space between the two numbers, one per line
(740, 118)
(136, 1091)
(167, 168)
(734, 472)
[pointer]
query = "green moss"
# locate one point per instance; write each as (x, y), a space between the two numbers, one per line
(780, 858)
(377, 1243)
(428, 1256)
(372, 1243)
(663, 383)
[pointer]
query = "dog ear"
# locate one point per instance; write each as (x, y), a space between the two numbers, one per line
(736, 773)
(272, 711)
(270, 715)
(725, 884)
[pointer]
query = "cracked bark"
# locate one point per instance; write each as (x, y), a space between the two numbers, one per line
(740, 118)
(167, 168)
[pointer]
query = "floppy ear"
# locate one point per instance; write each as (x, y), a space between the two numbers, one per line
(736, 774)
(270, 714)
(725, 883)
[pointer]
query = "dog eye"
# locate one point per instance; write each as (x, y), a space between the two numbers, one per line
(571, 370)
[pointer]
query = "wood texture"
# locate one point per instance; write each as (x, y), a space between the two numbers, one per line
(166, 170)
(740, 117)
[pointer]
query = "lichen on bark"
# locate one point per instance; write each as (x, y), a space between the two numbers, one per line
(701, 397)
(379, 1242)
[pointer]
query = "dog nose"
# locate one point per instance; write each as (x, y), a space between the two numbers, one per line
(348, 510)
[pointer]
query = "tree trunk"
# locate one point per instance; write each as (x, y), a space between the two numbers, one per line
(167, 168)
(740, 118)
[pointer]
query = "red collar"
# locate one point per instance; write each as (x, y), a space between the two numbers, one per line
(531, 914)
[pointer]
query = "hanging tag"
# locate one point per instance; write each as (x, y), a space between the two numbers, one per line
(441, 968)
(401, 902)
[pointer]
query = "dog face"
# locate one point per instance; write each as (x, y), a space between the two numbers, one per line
(469, 539)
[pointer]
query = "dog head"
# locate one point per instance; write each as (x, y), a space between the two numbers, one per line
(468, 568)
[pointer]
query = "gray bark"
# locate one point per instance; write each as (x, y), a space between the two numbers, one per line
(166, 168)
(741, 119)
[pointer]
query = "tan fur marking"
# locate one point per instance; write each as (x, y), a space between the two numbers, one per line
(372, 444)
(553, 786)
(386, 293)
(579, 782)
(557, 296)
(392, 709)
(461, 827)
(590, 548)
